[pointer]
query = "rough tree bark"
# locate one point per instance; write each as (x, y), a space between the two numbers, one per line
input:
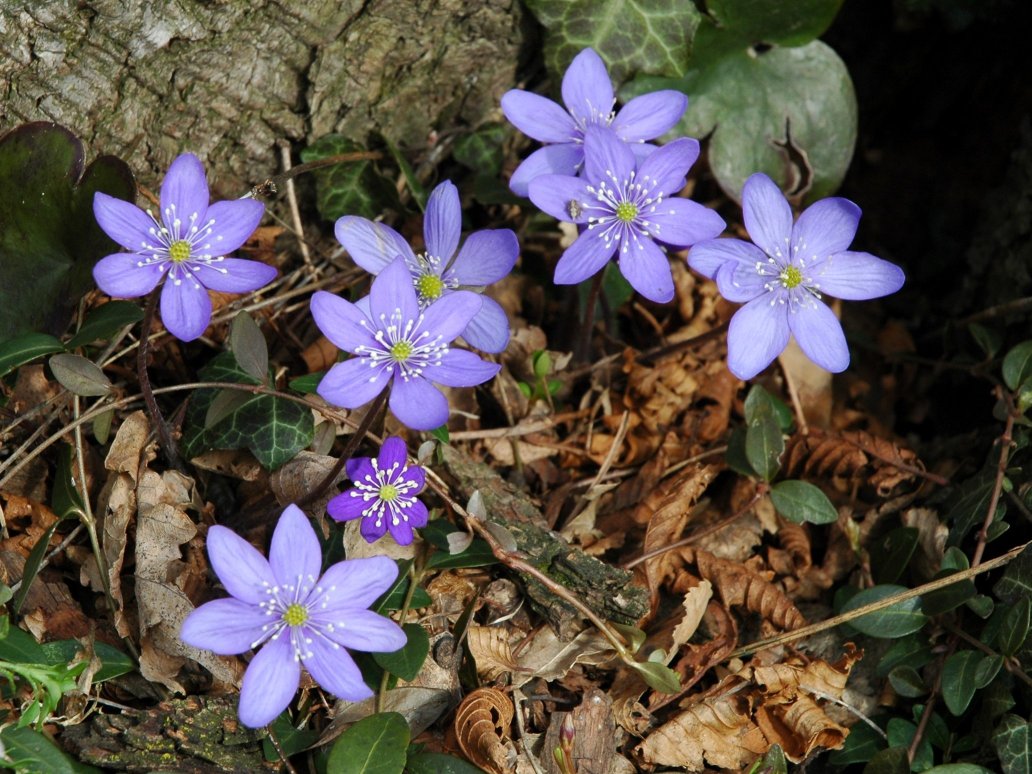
(226, 79)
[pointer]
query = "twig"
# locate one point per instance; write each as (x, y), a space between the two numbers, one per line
(279, 750)
(1001, 469)
(295, 213)
(793, 394)
(271, 185)
(164, 434)
(1011, 664)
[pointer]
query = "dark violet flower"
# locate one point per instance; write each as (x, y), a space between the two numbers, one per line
(295, 616)
(626, 206)
(396, 343)
(588, 94)
(782, 277)
(187, 244)
(383, 495)
(486, 257)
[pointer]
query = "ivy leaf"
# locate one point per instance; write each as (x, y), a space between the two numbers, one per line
(632, 36)
(374, 745)
(482, 150)
(1014, 628)
(785, 24)
(1013, 742)
(50, 240)
(348, 188)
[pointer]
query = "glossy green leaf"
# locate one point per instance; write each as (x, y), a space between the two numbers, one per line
(348, 188)
(773, 762)
(949, 597)
(907, 682)
(1017, 365)
(901, 733)
(786, 24)
(32, 564)
(894, 554)
(862, 744)
(26, 348)
(989, 340)
(65, 498)
(27, 750)
(374, 745)
(894, 621)
(1012, 739)
(800, 502)
(114, 663)
(759, 402)
(764, 445)
(735, 455)
(631, 36)
(913, 651)
(105, 321)
(406, 662)
(477, 555)
(959, 768)
(50, 240)
(1014, 628)
(79, 375)
(291, 740)
(959, 680)
(482, 150)
(308, 383)
(969, 506)
(891, 761)
(439, 763)
(1016, 583)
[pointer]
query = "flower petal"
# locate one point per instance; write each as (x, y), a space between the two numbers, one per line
(758, 333)
(664, 170)
(561, 196)
(233, 275)
(488, 331)
(371, 245)
(767, 215)
(682, 222)
(235, 222)
(224, 626)
(121, 276)
(450, 314)
(347, 505)
(857, 276)
(825, 227)
(538, 117)
(584, 258)
(401, 531)
(353, 383)
(333, 668)
(418, 404)
(393, 452)
(486, 256)
(418, 516)
(270, 682)
(360, 469)
(563, 159)
(185, 306)
(372, 528)
(606, 157)
(294, 554)
(392, 292)
(587, 90)
(646, 267)
(740, 282)
(369, 632)
(125, 223)
(184, 193)
(414, 475)
(353, 584)
(240, 566)
(459, 368)
(343, 323)
(442, 224)
(820, 335)
(706, 257)
(650, 115)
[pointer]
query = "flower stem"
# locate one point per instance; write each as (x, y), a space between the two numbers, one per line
(164, 434)
(583, 349)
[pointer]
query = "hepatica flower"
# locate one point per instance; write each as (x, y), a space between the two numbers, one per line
(626, 207)
(295, 616)
(186, 246)
(782, 276)
(383, 495)
(486, 257)
(397, 344)
(588, 96)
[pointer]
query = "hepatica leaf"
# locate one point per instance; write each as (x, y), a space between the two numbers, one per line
(348, 188)
(50, 241)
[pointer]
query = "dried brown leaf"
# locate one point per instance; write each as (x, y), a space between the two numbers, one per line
(852, 456)
(799, 725)
(695, 602)
(489, 646)
(482, 724)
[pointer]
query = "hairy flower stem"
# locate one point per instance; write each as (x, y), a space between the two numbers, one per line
(583, 347)
(164, 434)
(375, 408)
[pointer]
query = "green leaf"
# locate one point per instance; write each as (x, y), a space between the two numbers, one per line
(308, 383)
(790, 113)
(291, 740)
(735, 455)
(901, 733)
(348, 188)
(105, 321)
(759, 402)
(65, 498)
(989, 340)
(958, 768)
(478, 554)
(959, 680)
(764, 445)
(772, 763)
(482, 150)
(786, 24)
(439, 763)
(1012, 739)
(891, 622)
(907, 682)
(1017, 365)
(912, 650)
(949, 597)
(374, 745)
(657, 676)
(26, 348)
(29, 751)
(891, 761)
(79, 375)
(247, 343)
(801, 502)
(406, 662)
(862, 744)
(32, 565)
(50, 239)
(894, 554)
(114, 663)
(418, 191)
(1016, 583)
(1014, 628)
(969, 506)
(630, 35)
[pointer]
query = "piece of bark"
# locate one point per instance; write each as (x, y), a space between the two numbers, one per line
(605, 589)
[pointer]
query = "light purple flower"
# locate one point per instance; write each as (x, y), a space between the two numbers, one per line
(188, 245)
(588, 95)
(782, 277)
(383, 495)
(626, 205)
(486, 257)
(396, 343)
(295, 616)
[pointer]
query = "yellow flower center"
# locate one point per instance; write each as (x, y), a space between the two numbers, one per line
(430, 286)
(295, 615)
(791, 277)
(401, 351)
(179, 251)
(626, 211)
(388, 492)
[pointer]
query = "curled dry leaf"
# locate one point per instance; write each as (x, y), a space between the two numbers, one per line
(489, 646)
(851, 457)
(482, 724)
(550, 659)
(799, 725)
(695, 601)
